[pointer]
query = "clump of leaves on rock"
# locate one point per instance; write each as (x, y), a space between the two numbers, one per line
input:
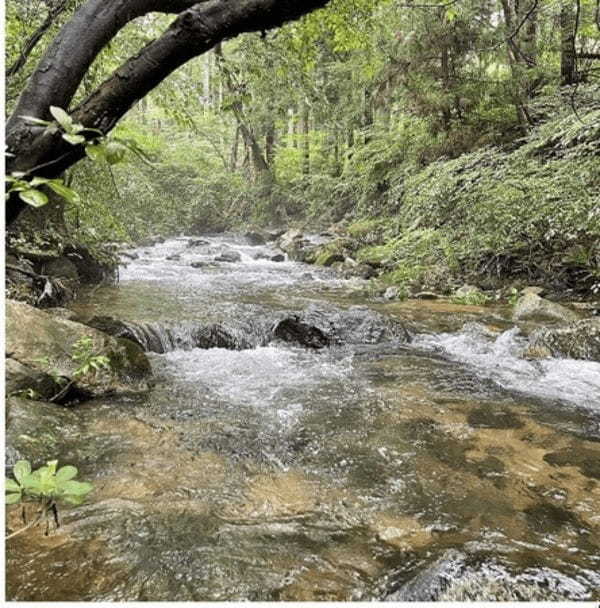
(47, 486)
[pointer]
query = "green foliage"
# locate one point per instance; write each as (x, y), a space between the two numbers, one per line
(30, 193)
(47, 487)
(86, 359)
(46, 484)
(472, 298)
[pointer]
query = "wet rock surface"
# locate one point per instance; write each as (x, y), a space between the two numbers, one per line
(43, 343)
(531, 307)
(578, 340)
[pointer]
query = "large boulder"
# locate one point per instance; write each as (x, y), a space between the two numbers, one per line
(297, 247)
(578, 340)
(530, 307)
(62, 268)
(255, 238)
(44, 343)
(229, 256)
(288, 239)
(24, 380)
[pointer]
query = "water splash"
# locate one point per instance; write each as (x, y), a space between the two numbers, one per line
(498, 358)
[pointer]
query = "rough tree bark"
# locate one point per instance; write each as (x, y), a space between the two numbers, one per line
(198, 28)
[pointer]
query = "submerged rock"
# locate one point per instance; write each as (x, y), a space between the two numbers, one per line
(44, 343)
(255, 238)
(313, 328)
(459, 577)
(531, 307)
(578, 340)
(198, 243)
(229, 256)
(279, 257)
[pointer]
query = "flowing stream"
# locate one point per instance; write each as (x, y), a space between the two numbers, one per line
(443, 468)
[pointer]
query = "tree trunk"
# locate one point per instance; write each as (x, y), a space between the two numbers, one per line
(305, 139)
(568, 60)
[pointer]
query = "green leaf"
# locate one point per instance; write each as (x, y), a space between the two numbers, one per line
(64, 191)
(12, 499)
(38, 181)
(76, 488)
(114, 152)
(66, 473)
(74, 139)
(73, 500)
(21, 470)
(35, 121)
(95, 152)
(32, 197)
(11, 485)
(52, 464)
(61, 117)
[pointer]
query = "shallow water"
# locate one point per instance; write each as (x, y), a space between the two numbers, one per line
(283, 473)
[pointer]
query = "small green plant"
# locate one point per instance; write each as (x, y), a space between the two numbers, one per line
(472, 298)
(46, 486)
(88, 363)
(513, 296)
(28, 393)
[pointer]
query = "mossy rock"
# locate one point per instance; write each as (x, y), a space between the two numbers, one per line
(45, 342)
(336, 251)
(35, 430)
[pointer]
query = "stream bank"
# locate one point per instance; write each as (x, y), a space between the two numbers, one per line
(374, 467)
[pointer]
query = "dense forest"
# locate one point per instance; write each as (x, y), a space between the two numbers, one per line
(302, 300)
(452, 140)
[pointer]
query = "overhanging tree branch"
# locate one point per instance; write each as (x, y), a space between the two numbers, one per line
(196, 30)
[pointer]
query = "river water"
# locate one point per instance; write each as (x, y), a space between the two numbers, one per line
(445, 468)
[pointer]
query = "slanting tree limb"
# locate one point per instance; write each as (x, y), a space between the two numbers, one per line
(72, 52)
(194, 31)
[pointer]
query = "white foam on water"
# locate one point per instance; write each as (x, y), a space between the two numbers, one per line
(221, 277)
(498, 358)
(265, 377)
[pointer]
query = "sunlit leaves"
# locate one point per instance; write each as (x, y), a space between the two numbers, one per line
(45, 484)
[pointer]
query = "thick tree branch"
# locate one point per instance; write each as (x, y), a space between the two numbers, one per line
(70, 55)
(194, 32)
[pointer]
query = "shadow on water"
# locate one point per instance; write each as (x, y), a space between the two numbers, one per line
(441, 469)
